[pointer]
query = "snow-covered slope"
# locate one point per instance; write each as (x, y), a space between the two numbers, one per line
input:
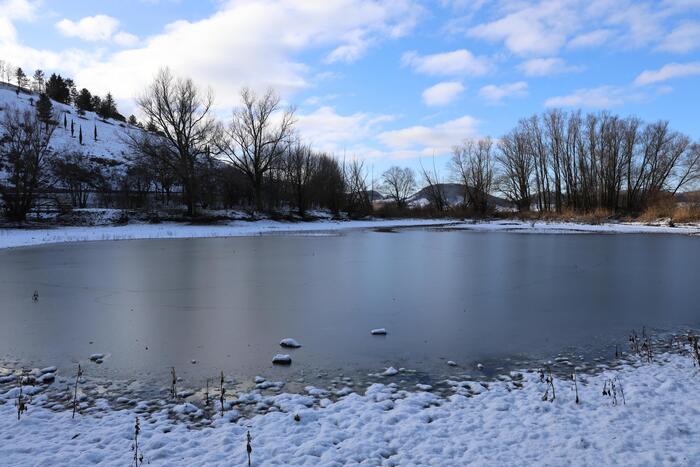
(109, 144)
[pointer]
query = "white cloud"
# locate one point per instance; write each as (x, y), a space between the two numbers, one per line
(602, 97)
(14, 10)
(91, 28)
(590, 39)
(546, 67)
(496, 93)
(125, 39)
(329, 131)
(442, 93)
(685, 38)
(424, 141)
(666, 72)
(233, 47)
(531, 28)
(458, 62)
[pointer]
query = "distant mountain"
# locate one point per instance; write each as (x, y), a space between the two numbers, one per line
(454, 194)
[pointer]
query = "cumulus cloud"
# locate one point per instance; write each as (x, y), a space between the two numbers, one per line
(530, 28)
(496, 93)
(666, 72)
(14, 10)
(546, 67)
(458, 62)
(683, 39)
(91, 28)
(442, 93)
(602, 97)
(424, 141)
(335, 133)
(234, 47)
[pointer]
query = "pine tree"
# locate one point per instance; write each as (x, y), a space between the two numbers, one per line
(133, 121)
(108, 108)
(80, 135)
(84, 101)
(21, 77)
(57, 89)
(44, 108)
(72, 90)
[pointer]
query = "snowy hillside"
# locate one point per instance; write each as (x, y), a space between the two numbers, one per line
(109, 143)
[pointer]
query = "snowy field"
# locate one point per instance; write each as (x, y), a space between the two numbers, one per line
(10, 238)
(652, 417)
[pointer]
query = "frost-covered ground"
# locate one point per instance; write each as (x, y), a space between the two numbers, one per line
(653, 419)
(10, 238)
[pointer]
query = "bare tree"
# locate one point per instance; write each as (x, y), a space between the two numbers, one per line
(399, 184)
(434, 188)
(257, 136)
(24, 152)
(358, 202)
(301, 166)
(473, 165)
(181, 115)
(517, 166)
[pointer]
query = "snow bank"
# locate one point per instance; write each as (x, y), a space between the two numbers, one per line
(658, 423)
(10, 238)
(573, 227)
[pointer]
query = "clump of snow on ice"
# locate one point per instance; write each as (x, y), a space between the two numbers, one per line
(378, 332)
(391, 371)
(290, 343)
(281, 359)
(451, 363)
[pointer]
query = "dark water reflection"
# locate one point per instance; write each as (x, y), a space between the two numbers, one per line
(226, 303)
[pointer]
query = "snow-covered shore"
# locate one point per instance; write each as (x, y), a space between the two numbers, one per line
(655, 421)
(11, 238)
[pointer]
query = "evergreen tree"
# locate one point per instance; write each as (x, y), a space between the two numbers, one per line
(108, 108)
(80, 135)
(72, 90)
(96, 103)
(57, 89)
(44, 108)
(21, 77)
(133, 121)
(84, 101)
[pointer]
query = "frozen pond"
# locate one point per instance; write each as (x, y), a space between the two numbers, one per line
(441, 295)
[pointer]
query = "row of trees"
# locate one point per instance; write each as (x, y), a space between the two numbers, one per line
(62, 90)
(555, 161)
(566, 160)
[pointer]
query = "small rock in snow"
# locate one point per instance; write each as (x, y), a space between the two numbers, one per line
(194, 362)
(451, 363)
(480, 366)
(391, 371)
(259, 379)
(378, 332)
(49, 369)
(290, 343)
(281, 359)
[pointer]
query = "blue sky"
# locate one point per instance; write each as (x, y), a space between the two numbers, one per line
(392, 82)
